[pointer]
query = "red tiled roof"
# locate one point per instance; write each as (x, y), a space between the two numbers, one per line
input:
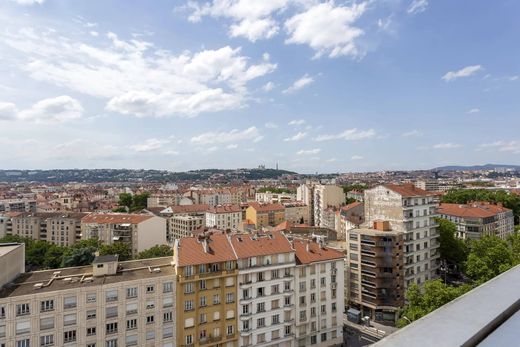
(315, 253)
(115, 218)
(351, 205)
(471, 210)
(225, 209)
(189, 208)
(252, 245)
(407, 189)
(286, 225)
(191, 250)
(266, 207)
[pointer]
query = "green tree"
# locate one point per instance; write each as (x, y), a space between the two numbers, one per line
(53, 256)
(79, 257)
(430, 297)
(452, 249)
(488, 257)
(126, 199)
(140, 201)
(156, 252)
(123, 250)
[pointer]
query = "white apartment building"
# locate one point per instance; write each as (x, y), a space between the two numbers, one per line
(412, 211)
(184, 226)
(107, 304)
(224, 217)
(266, 264)
(12, 263)
(326, 196)
(18, 205)
(274, 198)
(139, 231)
(305, 194)
(319, 280)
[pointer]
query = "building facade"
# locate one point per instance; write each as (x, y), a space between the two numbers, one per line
(224, 217)
(326, 196)
(184, 226)
(265, 215)
(297, 212)
(18, 205)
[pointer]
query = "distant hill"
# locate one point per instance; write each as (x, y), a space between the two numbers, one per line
(127, 175)
(478, 167)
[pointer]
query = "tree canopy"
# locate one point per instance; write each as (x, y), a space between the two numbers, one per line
(131, 203)
(452, 249)
(156, 252)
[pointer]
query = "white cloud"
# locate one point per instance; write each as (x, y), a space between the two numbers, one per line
(503, 146)
(29, 2)
(58, 109)
(268, 87)
(464, 72)
(94, 33)
(328, 29)
(266, 56)
(417, 6)
(297, 122)
(308, 151)
(8, 111)
(446, 145)
(513, 78)
(297, 137)
(211, 149)
(356, 157)
(271, 125)
(348, 135)
(473, 110)
(232, 146)
(138, 78)
(149, 145)
(213, 137)
(331, 160)
(412, 133)
(251, 19)
(300, 83)
(85, 149)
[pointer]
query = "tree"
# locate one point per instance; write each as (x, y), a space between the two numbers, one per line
(488, 257)
(452, 249)
(125, 199)
(79, 257)
(422, 301)
(123, 250)
(156, 252)
(140, 201)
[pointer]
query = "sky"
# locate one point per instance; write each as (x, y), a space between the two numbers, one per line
(313, 86)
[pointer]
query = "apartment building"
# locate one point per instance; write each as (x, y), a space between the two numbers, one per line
(305, 193)
(213, 197)
(350, 216)
(206, 278)
(12, 263)
(319, 294)
(166, 199)
(106, 304)
(376, 271)
(224, 217)
(476, 219)
(265, 215)
(356, 195)
(61, 228)
(297, 212)
(326, 196)
(183, 226)
(18, 205)
(274, 198)
(139, 231)
(411, 211)
(266, 307)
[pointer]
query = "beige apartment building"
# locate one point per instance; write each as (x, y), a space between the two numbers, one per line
(139, 231)
(106, 304)
(297, 212)
(184, 226)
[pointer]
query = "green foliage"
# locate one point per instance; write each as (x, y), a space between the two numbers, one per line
(275, 190)
(452, 249)
(357, 186)
(490, 256)
(79, 257)
(463, 196)
(131, 203)
(156, 252)
(430, 297)
(121, 249)
(349, 200)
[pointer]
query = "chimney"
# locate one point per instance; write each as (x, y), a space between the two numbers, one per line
(307, 245)
(382, 225)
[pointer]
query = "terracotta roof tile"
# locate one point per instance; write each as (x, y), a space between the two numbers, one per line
(115, 218)
(471, 210)
(191, 250)
(407, 189)
(225, 209)
(315, 253)
(252, 245)
(266, 207)
(189, 208)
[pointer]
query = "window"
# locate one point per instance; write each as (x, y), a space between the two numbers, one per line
(188, 270)
(23, 343)
(69, 336)
(188, 305)
(333, 307)
(111, 295)
(46, 340)
(150, 319)
(131, 292)
(260, 338)
(323, 309)
(91, 314)
(91, 331)
(313, 283)
(322, 282)
(323, 337)
(69, 302)
(287, 286)
(189, 339)
(287, 301)
(287, 330)
(230, 297)
(275, 289)
(275, 304)
(275, 319)
(302, 300)
(111, 311)
(313, 298)
(245, 325)
(167, 287)
(274, 274)
(260, 322)
(111, 343)
(168, 317)
(131, 324)
(216, 299)
(2, 312)
(91, 298)
(131, 309)
(230, 330)
(131, 340)
(150, 304)
(111, 328)
(167, 302)
(314, 339)
(23, 327)
(22, 309)
(260, 292)
(202, 285)
(69, 319)
(203, 318)
(150, 288)
(47, 305)
(260, 307)
(167, 332)
(91, 345)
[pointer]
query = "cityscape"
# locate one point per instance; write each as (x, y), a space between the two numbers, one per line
(270, 173)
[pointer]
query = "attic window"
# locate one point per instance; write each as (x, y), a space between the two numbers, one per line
(99, 265)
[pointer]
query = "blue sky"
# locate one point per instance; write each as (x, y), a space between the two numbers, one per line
(315, 86)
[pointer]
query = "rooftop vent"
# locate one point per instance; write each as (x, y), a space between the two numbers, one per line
(67, 280)
(38, 286)
(157, 269)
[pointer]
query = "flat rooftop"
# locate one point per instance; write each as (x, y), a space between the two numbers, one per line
(128, 271)
(488, 315)
(8, 247)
